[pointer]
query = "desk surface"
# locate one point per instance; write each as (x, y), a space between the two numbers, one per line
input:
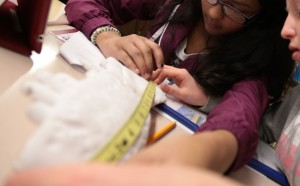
(16, 127)
(15, 69)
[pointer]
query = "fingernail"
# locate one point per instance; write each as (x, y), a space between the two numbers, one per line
(137, 71)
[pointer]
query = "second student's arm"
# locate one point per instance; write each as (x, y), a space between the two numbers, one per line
(214, 150)
(228, 138)
(240, 112)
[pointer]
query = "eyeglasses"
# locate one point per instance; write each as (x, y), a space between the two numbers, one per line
(232, 13)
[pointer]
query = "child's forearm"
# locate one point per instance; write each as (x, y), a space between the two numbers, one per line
(217, 150)
(214, 150)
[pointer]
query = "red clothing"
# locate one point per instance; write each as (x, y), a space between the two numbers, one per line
(88, 15)
(241, 107)
(240, 112)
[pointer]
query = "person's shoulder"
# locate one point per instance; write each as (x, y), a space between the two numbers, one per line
(293, 94)
(254, 83)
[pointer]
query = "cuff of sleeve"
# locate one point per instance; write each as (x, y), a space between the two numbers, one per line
(212, 101)
(90, 26)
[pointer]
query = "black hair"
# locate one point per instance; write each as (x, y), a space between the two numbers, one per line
(254, 51)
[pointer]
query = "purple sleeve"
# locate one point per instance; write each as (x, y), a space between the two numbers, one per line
(87, 15)
(240, 112)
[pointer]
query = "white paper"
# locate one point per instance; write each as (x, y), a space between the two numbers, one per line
(267, 155)
(78, 50)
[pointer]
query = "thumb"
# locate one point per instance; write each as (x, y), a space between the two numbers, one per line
(171, 90)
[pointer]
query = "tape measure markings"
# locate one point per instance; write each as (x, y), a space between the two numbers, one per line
(128, 134)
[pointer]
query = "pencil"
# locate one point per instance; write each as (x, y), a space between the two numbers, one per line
(157, 135)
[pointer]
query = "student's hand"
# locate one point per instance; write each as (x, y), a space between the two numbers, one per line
(136, 52)
(112, 175)
(187, 89)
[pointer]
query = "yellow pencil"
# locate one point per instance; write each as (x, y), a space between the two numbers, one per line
(157, 135)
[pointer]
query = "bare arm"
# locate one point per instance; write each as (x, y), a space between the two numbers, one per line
(111, 175)
(214, 150)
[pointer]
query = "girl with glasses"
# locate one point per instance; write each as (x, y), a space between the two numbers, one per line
(224, 52)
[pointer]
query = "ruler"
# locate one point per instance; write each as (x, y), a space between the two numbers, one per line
(129, 133)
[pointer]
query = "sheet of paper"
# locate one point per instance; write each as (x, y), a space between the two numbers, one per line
(266, 154)
(64, 34)
(87, 56)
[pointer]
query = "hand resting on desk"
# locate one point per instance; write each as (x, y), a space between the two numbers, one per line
(78, 117)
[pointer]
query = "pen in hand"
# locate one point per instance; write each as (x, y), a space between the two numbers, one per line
(157, 135)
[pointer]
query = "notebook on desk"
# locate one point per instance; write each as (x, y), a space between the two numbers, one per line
(23, 25)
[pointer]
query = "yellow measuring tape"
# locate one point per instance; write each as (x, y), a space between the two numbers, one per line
(131, 130)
